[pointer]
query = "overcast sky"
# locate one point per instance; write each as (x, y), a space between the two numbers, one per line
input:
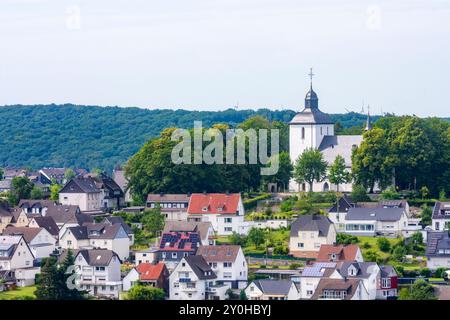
(214, 54)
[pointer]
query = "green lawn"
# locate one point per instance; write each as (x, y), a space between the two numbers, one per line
(372, 241)
(19, 293)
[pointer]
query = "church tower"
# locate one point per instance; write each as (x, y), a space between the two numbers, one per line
(308, 128)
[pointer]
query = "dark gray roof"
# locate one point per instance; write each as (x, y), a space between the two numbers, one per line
(271, 286)
(200, 267)
(118, 220)
(79, 233)
(311, 223)
(48, 223)
(345, 203)
(436, 241)
(311, 116)
(440, 209)
(28, 233)
(98, 257)
(80, 185)
(376, 214)
(361, 267)
(91, 230)
(387, 271)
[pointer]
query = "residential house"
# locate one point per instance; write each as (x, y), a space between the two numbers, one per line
(48, 223)
(441, 216)
(118, 176)
(97, 235)
(388, 286)
(111, 220)
(176, 245)
(145, 256)
(81, 192)
(5, 185)
(99, 272)
(339, 210)
(40, 241)
(7, 280)
(311, 276)
(308, 233)
(228, 263)
(194, 279)
(48, 175)
(173, 206)
(15, 253)
(155, 275)
(376, 221)
(204, 229)
(438, 250)
(367, 272)
(11, 216)
(224, 211)
(337, 253)
(269, 289)
(340, 289)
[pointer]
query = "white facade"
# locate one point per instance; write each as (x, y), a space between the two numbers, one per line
(120, 244)
(253, 292)
(226, 224)
(99, 280)
(85, 201)
(145, 256)
(43, 244)
(271, 224)
(15, 253)
(311, 240)
(192, 288)
(26, 277)
(130, 279)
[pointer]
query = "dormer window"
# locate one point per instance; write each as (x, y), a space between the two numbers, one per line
(204, 209)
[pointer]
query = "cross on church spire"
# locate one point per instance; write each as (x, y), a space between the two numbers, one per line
(311, 75)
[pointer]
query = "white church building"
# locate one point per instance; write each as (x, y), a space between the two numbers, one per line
(312, 128)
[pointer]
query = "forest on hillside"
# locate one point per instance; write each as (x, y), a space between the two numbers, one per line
(104, 137)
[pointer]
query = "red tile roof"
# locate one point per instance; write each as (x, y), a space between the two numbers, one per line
(148, 271)
(343, 253)
(214, 203)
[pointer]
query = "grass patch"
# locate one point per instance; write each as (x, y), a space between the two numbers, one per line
(18, 294)
(372, 241)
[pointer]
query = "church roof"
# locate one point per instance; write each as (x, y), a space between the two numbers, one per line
(311, 116)
(332, 146)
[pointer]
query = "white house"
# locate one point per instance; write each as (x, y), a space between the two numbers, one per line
(311, 276)
(82, 192)
(438, 250)
(340, 289)
(228, 263)
(311, 128)
(367, 272)
(40, 241)
(97, 235)
(194, 279)
(308, 233)
(15, 253)
(98, 272)
(269, 289)
(441, 216)
(224, 211)
(145, 256)
(376, 221)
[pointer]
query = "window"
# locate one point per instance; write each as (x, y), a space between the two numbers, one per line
(228, 229)
(176, 285)
(228, 220)
(227, 264)
(309, 292)
(300, 245)
(174, 255)
(227, 275)
(303, 133)
(386, 282)
(99, 268)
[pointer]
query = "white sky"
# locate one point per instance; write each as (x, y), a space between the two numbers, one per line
(213, 54)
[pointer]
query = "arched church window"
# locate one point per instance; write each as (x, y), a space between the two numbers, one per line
(327, 132)
(321, 133)
(303, 133)
(326, 187)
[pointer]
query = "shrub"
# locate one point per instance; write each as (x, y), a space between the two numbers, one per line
(345, 239)
(366, 245)
(425, 272)
(384, 244)
(280, 250)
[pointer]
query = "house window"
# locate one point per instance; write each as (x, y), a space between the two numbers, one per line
(99, 268)
(228, 229)
(228, 220)
(176, 285)
(309, 292)
(174, 255)
(300, 245)
(227, 264)
(386, 282)
(436, 226)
